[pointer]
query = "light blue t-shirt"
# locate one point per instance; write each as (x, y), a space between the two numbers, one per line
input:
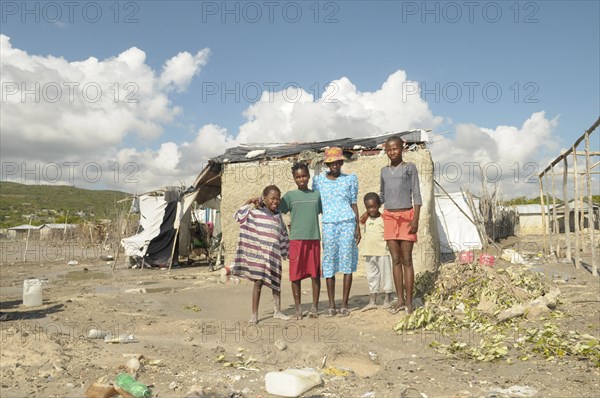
(337, 196)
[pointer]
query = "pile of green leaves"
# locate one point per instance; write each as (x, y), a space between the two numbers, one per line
(462, 306)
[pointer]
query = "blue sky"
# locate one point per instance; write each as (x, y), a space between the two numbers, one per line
(542, 55)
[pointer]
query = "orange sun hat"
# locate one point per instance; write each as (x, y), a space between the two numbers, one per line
(333, 154)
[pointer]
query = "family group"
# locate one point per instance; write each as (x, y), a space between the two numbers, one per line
(388, 236)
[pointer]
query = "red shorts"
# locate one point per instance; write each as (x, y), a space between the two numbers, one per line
(305, 259)
(396, 225)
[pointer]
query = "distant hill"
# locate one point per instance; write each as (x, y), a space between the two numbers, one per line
(50, 203)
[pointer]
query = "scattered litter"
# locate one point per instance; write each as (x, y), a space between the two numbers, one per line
(136, 290)
(256, 153)
(133, 365)
(333, 371)
(97, 334)
(512, 256)
(466, 257)
(121, 339)
(73, 262)
(369, 394)
(106, 257)
(172, 386)
(291, 382)
(190, 307)
(374, 357)
(515, 391)
(99, 390)
(486, 259)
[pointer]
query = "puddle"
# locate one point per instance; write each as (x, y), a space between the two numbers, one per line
(83, 275)
(361, 367)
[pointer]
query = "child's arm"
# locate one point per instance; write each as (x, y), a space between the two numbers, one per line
(417, 200)
(284, 239)
(241, 216)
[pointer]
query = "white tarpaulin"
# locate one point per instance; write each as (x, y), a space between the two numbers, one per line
(455, 230)
(152, 209)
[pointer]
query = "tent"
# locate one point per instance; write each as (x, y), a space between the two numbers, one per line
(456, 231)
(162, 213)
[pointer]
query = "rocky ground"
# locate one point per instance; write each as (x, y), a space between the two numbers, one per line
(191, 335)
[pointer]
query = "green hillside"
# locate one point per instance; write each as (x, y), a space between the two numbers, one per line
(49, 204)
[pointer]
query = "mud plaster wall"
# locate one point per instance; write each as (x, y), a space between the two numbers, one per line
(241, 181)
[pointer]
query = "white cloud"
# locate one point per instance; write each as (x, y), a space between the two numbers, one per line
(56, 109)
(341, 111)
(179, 70)
(508, 155)
(37, 132)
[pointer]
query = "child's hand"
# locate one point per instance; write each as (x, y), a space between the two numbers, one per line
(357, 235)
(414, 226)
(364, 217)
(255, 201)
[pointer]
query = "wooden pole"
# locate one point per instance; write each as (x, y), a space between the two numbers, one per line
(576, 212)
(567, 214)
(27, 239)
(591, 220)
(544, 241)
(555, 228)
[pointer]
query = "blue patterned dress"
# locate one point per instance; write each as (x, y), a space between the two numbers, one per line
(340, 253)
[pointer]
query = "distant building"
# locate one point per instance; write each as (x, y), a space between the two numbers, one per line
(20, 232)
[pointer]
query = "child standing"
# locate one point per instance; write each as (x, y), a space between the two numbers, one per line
(262, 245)
(305, 237)
(377, 259)
(402, 198)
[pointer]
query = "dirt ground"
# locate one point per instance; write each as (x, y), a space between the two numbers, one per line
(191, 331)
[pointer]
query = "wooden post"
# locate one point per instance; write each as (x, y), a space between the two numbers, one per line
(576, 212)
(591, 220)
(581, 212)
(566, 209)
(554, 218)
(544, 242)
(27, 239)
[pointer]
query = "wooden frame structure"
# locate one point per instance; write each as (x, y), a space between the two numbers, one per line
(586, 174)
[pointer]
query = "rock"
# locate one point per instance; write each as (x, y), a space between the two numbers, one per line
(514, 311)
(172, 386)
(280, 345)
(194, 392)
(73, 262)
(246, 392)
(536, 312)
(70, 385)
(133, 365)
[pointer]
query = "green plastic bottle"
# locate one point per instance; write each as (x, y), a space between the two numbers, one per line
(132, 386)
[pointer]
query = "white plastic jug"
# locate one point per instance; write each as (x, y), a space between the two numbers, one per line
(32, 292)
(291, 382)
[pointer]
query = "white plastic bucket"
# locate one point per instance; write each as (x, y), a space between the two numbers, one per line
(32, 292)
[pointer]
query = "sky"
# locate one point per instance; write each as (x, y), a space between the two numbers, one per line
(135, 95)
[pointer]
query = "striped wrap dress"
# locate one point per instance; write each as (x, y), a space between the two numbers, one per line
(263, 244)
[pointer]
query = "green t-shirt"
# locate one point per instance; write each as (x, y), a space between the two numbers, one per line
(305, 207)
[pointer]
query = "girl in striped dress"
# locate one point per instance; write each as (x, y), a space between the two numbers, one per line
(262, 245)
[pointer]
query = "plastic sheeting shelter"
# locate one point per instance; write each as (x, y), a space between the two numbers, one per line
(161, 215)
(456, 232)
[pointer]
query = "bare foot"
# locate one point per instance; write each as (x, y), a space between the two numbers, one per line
(370, 306)
(396, 308)
(280, 315)
(409, 308)
(253, 320)
(313, 313)
(386, 305)
(297, 316)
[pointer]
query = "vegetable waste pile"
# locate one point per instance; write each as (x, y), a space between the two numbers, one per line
(486, 314)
